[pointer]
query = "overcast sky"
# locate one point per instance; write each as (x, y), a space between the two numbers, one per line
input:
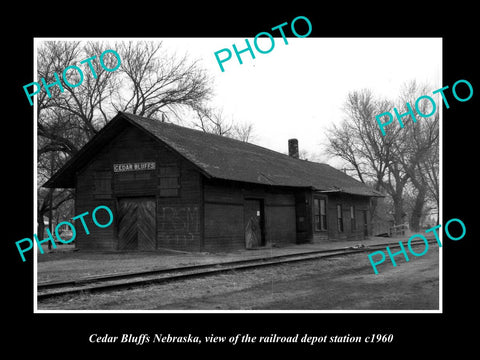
(298, 90)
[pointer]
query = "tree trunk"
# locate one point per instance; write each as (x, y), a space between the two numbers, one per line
(40, 227)
(398, 213)
(417, 210)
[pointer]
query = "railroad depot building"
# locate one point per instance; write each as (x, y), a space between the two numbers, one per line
(173, 187)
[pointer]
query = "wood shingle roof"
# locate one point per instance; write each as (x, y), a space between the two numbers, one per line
(222, 158)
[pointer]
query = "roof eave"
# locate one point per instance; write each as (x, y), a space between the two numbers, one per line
(64, 178)
(373, 193)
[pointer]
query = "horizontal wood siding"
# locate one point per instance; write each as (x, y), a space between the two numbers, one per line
(99, 238)
(178, 226)
(360, 203)
(224, 214)
(193, 213)
(224, 228)
(178, 198)
(280, 217)
(280, 224)
(179, 218)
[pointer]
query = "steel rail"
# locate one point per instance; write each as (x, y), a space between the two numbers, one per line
(113, 282)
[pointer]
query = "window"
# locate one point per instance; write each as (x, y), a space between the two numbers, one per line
(353, 225)
(320, 214)
(169, 181)
(316, 213)
(323, 213)
(339, 218)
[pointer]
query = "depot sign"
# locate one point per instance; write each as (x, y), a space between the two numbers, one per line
(124, 167)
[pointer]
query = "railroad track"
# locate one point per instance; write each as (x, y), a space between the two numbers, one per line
(134, 279)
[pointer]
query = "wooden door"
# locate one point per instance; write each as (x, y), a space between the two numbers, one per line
(253, 220)
(136, 224)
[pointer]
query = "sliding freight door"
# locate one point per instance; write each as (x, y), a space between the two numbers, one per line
(137, 224)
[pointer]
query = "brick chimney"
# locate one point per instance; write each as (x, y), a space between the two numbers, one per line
(293, 148)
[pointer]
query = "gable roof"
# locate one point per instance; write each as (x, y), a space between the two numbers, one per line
(221, 158)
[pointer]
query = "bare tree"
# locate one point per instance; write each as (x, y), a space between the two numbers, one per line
(416, 150)
(311, 156)
(390, 162)
(83, 104)
(148, 82)
(214, 121)
(50, 200)
(155, 82)
(429, 168)
(358, 141)
(243, 131)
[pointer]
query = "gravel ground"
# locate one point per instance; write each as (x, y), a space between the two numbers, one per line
(66, 264)
(340, 283)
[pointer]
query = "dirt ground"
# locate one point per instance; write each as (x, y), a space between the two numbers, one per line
(65, 264)
(340, 283)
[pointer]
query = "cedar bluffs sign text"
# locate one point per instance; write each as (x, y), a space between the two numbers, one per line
(134, 166)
